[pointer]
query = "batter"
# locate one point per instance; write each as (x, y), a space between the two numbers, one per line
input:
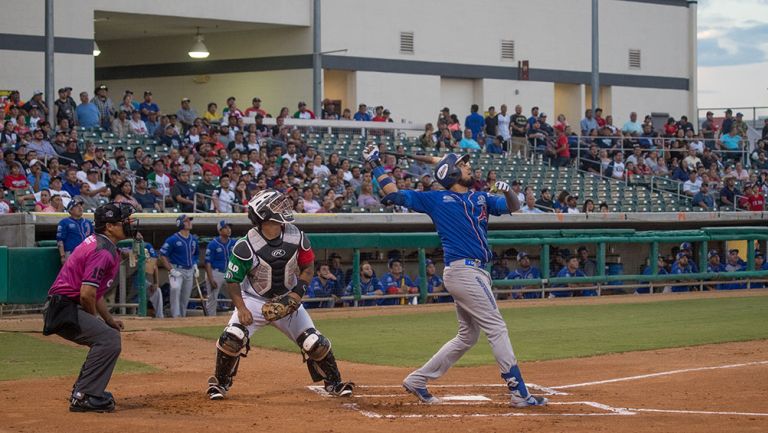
(267, 275)
(460, 216)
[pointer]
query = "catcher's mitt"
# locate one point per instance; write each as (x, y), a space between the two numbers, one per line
(278, 308)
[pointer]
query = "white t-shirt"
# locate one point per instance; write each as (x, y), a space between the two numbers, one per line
(573, 210)
(618, 170)
(138, 127)
(504, 125)
(698, 146)
(311, 206)
(95, 186)
(4, 208)
(692, 187)
(320, 171)
(226, 198)
(289, 157)
(163, 184)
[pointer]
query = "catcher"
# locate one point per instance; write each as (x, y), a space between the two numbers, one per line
(267, 275)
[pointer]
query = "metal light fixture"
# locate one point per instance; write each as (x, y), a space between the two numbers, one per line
(96, 50)
(199, 50)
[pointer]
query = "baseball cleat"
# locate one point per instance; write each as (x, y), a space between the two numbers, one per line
(340, 389)
(422, 394)
(89, 403)
(215, 391)
(531, 400)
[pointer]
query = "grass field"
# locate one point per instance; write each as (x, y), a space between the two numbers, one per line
(23, 356)
(537, 333)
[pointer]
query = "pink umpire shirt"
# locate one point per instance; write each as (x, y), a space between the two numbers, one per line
(94, 262)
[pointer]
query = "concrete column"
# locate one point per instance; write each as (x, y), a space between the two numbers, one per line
(693, 85)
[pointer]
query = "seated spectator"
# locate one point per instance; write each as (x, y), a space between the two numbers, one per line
(434, 284)
(728, 194)
(334, 265)
(662, 270)
(530, 205)
(589, 267)
(467, 142)
(703, 199)
(545, 201)
(616, 168)
(120, 125)
(692, 186)
(681, 266)
(369, 285)
(734, 263)
(495, 147)
(760, 265)
(731, 145)
(755, 201)
(366, 198)
(323, 285)
(45, 204)
(570, 270)
(525, 271)
(714, 266)
(137, 126)
(572, 204)
(396, 282)
(37, 178)
(144, 196)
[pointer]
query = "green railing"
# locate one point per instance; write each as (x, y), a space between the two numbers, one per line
(33, 269)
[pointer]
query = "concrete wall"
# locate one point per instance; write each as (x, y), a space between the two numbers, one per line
(646, 101)
(412, 97)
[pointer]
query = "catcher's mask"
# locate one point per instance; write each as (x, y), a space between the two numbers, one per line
(270, 205)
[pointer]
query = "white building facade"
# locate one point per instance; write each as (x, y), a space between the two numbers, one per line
(413, 57)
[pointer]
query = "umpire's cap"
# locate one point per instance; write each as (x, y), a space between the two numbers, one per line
(111, 213)
(446, 171)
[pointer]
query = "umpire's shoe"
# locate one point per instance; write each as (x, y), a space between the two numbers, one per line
(422, 394)
(88, 403)
(215, 391)
(340, 389)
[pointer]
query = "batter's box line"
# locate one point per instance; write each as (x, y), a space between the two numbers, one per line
(608, 411)
(544, 389)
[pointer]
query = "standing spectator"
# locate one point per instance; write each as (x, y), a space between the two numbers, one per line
(396, 282)
(709, 130)
(525, 271)
(570, 270)
(491, 122)
(503, 122)
(63, 109)
(589, 267)
(148, 106)
(519, 125)
(216, 259)
(323, 285)
(37, 103)
(741, 126)
(186, 115)
(87, 112)
(474, 122)
(588, 123)
(179, 254)
(369, 284)
(632, 126)
(562, 150)
(105, 106)
(72, 230)
(362, 114)
(255, 108)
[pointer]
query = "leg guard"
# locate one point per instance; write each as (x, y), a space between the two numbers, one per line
(232, 345)
(321, 363)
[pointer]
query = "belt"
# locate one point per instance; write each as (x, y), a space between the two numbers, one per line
(181, 267)
(475, 263)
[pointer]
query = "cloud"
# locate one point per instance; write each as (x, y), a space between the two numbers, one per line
(721, 46)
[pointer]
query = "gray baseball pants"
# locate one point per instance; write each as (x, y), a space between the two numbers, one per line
(476, 311)
(105, 345)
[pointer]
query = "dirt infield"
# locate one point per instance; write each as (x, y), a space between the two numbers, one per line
(713, 388)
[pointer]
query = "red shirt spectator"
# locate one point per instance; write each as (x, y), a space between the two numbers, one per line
(755, 202)
(15, 181)
(563, 150)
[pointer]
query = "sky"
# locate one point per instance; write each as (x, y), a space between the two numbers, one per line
(733, 53)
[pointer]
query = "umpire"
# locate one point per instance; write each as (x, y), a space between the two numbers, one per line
(76, 299)
(216, 258)
(72, 230)
(179, 254)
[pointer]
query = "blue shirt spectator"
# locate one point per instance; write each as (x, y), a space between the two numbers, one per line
(588, 123)
(323, 286)
(362, 114)
(87, 113)
(681, 266)
(474, 122)
(703, 197)
(524, 272)
(149, 107)
(570, 270)
(396, 282)
(760, 265)
(647, 271)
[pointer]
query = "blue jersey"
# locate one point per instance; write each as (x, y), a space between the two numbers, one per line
(647, 271)
(217, 253)
(564, 273)
(181, 251)
(393, 286)
(317, 289)
(150, 250)
(461, 220)
(71, 232)
(368, 288)
(524, 274)
(741, 265)
(762, 268)
(432, 282)
(716, 270)
(677, 270)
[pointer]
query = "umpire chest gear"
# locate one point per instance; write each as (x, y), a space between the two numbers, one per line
(274, 263)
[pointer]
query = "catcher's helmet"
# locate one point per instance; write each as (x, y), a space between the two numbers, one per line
(446, 171)
(270, 205)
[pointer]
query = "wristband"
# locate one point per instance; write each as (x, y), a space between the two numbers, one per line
(386, 181)
(301, 288)
(378, 171)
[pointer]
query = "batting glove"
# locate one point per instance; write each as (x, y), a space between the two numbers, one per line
(371, 153)
(502, 186)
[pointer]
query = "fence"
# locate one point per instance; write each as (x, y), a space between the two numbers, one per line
(26, 273)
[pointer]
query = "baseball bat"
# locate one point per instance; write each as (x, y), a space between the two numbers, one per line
(421, 158)
(202, 298)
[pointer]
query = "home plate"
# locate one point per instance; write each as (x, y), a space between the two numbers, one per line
(465, 398)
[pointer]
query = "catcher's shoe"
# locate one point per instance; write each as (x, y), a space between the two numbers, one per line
(340, 389)
(215, 391)
(519, 401)
(422, 394)
(88, 403)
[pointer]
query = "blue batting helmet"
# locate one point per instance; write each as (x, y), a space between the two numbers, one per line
(446, 171)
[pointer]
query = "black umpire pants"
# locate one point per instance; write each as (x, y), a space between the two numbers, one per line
(105, 345)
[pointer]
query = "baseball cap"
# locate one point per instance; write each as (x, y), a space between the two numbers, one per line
(147, 92)
(521, 255)
(428, 262)
(713, 253)
(685, 246)
(129, 92)
(739, 114)
(681, 255)
(77, 201)
(733, 251)
(37, 92)
(62, 90)
(386, 111)
(34, 161)
(222, 224)
(759, 254)
(581, 248)
(184, 99)
(180, 220)
(102, 87)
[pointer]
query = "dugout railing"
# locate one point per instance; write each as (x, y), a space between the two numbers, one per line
(26, 273)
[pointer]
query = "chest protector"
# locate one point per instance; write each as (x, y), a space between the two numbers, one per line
(275, 266)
